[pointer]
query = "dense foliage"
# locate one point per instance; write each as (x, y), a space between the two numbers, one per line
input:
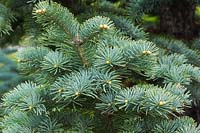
(97, 71)
(8, 71)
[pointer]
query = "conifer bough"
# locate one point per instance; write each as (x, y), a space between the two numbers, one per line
(78, 85)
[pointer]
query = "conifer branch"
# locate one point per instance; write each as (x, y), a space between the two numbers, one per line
(91, 70)
(85, 63)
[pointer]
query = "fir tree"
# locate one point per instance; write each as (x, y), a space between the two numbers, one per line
(9, 76)
(16, 23)
(90, 77)
(176, 17)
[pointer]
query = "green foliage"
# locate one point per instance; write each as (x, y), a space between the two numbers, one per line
(174, 68)
(16, 23)
(137, 8)
(177, 46)
(177, 126)
(128, 27)
(6, 17)
(8, 72)
(80, 78)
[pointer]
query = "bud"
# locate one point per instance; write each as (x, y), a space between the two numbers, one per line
(161, 103)
(60, 90)
(126, 101)
(30, 107)
(107, 62)
(40, 11)
(101, 26)
(146, 52)
(55, 66)
(109, 104)
(109, 82)
(104, 26)
(77, 93)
